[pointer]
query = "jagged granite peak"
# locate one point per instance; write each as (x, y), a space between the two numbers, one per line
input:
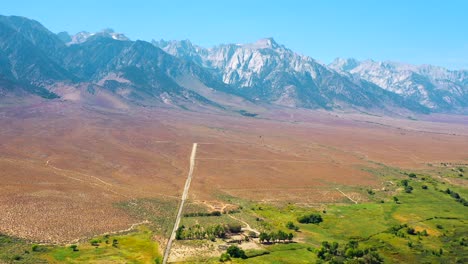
(344, 64)
(432, 86)
(269, 72)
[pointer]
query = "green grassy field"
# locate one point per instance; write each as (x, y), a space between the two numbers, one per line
(135, 247)
(428, 210)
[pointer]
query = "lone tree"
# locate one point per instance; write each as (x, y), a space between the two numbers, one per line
(236, 252)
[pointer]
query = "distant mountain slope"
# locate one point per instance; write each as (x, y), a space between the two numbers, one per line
(433, 87)
(26, 53)
(107, 68)
(135, 71)
(269, 72)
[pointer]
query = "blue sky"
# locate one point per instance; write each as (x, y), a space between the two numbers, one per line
(413, 31)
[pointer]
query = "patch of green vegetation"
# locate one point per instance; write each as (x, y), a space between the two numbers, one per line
(282, 253)
(207, 232)
(15, 250)
(136, 247)
(426, 224)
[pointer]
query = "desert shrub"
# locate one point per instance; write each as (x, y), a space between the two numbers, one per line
(224, 257)
(95, 242)
(234, 228)
(408, 189)
(292, 226)
(115, 242)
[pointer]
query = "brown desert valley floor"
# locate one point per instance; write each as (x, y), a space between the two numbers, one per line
(69, 173)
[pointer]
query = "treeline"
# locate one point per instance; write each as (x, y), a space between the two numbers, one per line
(275, 237)
(214, 213)
(456, 196)
(211, 232)
(403, 230)
(350, 253)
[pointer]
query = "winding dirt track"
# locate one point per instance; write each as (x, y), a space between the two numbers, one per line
(182, 202)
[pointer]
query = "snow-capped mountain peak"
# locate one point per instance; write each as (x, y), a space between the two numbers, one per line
(83, 36)
(432, 86)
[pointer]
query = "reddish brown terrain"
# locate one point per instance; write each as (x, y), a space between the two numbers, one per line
(63, 167)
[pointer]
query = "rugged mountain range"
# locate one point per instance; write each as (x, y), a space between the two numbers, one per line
(268, 72)
(434, 87)
(107, 69)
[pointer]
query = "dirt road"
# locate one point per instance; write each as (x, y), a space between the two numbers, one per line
(347, 196)
(182, 202)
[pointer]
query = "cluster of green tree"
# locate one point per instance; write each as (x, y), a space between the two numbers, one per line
(350, 253)
(292, 226)
(210, 232)
(232, 252)
(275, 237)
(214, 213)
(413, 232)
(310, 219)
(457, 197)
(403, 230)
(405, 184)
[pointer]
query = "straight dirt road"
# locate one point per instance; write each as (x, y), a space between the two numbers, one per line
(182, 202)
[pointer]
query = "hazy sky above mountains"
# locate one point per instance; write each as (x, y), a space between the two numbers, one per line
(416, 31)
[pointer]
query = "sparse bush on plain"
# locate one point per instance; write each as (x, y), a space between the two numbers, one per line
(74, 247)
